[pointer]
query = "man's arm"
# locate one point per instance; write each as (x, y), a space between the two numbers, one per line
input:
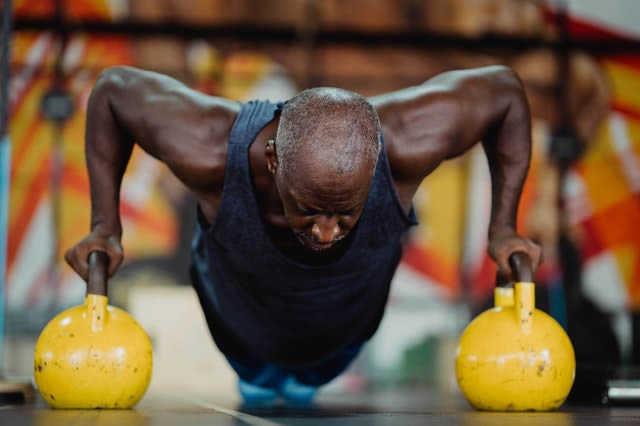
(447, 115)
(186, 130)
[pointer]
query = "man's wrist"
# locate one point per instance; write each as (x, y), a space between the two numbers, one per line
(501, 230)
(107, 228)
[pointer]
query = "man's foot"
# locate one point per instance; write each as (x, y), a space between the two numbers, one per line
(297, 393)
(254, 395)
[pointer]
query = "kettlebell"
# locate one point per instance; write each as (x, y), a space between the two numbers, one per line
(514, 357)
(93, 355)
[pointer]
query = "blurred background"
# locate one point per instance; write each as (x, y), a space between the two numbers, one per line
(579, 61)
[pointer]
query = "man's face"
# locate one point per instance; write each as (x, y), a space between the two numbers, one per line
(321, 206)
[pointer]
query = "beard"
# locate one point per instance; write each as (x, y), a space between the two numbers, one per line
(312, 243)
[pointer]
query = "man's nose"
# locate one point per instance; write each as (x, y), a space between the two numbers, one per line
(326, 229)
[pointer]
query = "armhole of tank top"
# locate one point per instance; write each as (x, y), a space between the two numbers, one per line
(202, 220)
(408, 218)
(221, 214)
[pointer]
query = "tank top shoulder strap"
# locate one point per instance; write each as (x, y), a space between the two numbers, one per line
(236, 200)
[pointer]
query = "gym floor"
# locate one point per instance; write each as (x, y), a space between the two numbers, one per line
(385, 407)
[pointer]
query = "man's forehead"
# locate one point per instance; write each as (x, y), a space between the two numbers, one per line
(330, 166)
(325, 182)
(328, 200)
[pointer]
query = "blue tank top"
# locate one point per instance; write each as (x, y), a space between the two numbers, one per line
(257, 300)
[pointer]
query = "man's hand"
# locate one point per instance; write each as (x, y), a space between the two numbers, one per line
(502, 244)
(98, 240)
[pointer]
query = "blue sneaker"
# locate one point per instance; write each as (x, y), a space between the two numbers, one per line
(296, 392)
(254, 395)
(263, 389)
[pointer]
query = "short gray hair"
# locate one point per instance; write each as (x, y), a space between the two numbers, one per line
(336, 125)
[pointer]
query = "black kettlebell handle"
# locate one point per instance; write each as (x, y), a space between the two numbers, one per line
(521, 267)
(98, 273)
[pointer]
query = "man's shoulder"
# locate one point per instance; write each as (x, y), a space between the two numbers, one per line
(416, 121)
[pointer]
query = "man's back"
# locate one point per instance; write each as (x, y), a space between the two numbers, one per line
(259, 299)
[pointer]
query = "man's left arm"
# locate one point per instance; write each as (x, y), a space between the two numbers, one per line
(447, 115)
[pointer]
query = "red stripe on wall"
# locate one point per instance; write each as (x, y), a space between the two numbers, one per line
(146, 222)
(628, 111)
(631, 61)
(432, 265)
(75, 178)
(483, 279)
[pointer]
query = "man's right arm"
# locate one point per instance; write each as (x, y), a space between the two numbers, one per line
(185, 129)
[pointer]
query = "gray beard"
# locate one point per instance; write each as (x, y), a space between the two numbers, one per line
(304, 239)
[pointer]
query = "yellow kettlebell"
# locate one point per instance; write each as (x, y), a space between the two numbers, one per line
(515, 357)
(93, 355)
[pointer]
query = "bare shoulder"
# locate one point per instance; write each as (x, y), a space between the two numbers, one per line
(422, 124)
(185, 129)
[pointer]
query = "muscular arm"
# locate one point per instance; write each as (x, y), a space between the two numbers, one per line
(447, 115)
(184, 129)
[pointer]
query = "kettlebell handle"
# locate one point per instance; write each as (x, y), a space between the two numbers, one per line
(521, 267)
(98, 273)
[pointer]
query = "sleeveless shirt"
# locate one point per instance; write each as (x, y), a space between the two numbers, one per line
(258, 300)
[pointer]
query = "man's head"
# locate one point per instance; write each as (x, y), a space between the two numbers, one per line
(323, 159)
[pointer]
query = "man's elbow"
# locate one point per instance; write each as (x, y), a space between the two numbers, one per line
(506, 78)
(115, 80)
(508, 86)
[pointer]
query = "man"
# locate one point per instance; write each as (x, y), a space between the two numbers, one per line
(303, 205)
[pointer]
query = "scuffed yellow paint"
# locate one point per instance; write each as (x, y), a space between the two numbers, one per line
(93, 356)
(514, 357)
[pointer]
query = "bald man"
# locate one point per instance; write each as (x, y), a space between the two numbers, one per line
(303, 205)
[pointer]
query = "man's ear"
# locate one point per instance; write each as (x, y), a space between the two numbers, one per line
(271, 156)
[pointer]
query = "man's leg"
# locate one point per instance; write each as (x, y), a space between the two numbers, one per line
(301, 384)
(258, 381)
(262, 382)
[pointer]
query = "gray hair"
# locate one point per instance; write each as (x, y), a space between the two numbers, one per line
(336, 126)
